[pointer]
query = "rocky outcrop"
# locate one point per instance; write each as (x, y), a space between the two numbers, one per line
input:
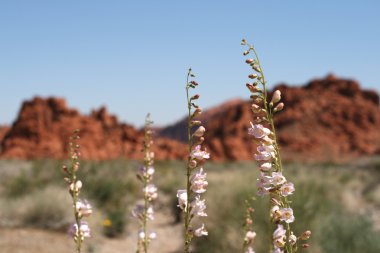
(43, 127)
(328, 119)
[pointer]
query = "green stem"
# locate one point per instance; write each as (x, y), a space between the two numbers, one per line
(187, 211)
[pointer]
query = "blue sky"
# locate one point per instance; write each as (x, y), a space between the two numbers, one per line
(132, 56)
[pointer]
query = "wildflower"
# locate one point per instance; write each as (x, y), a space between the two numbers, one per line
(258, 131)
(201, 231)
(276, 97)
(107, 223)
(83, 208)
(279, 107)
(198, 182)
(198, 207)
(249, 61)
(265, 166)
(280, 232)
(139, 210)
(287, 215)
(276, 213)
(150, 191)
(76, 186)
(199, 132)
(287, 189)
(250, 235)
(146, 171)
(262, 190)
(292, 239)
(249, 250)
(263, 156)
(182, 199)
(198, 154)
(84, 230)
(305, 235)
(278, 178)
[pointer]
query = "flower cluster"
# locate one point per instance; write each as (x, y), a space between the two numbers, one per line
(248, 227)
(144, 212)
(271, 181)
(82, 208)
(189, 199)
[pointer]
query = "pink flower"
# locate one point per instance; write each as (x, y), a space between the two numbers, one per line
(198, 182)
(258, 131)
(199, 132)
(150, 191)
(287, 215)
(265, 166)
(287, 189)
(198, 154)
(182, 199)
(198, 207)
(84, 229)
(250, 235)
(83, 208)
(201, 231)
(278, 178)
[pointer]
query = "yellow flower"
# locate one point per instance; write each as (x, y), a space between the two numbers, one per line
(107, 223)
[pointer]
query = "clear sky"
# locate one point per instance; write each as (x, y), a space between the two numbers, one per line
(132, 56)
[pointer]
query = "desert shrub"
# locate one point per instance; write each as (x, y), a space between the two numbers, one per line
(48, 208)
(349, 233)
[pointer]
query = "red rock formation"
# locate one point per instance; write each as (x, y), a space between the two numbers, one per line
(43, 127)
(3, 131)
(328, 119)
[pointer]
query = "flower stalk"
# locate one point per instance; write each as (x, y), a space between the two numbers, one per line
(271, 182)
(81, 208)
(144, 212)
(189, 199)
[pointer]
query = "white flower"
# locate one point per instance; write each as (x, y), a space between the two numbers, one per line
(276, 213)
(265, 179)
(198, 207)
(276, 97)
(182, 199)
(84, 229)
(262, 190)
(287, 215)
(258, 131)
(250, 235)
(138, 212)
(201, 231)
(287, 189)
(83, 208)
(152, 236)
(77, 186)
(150, 191)
(278, 178)
(263, 156)
(198, 154)
(292, 239)
(265, 166)
(249, 250)
(146, 172)
(199, 132)
(198, 182)
(265, 148)
(280, 232)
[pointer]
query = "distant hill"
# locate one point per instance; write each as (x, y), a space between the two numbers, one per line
(327, 119)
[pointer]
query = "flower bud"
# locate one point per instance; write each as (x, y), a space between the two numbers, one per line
(243, 42)
(194, 83)
(249, 61)
(252, 76)
(279, 107)
(276, 97)
(194, 97)
(252, 88)
(256, 68)
(246, 53)
(196, 123)
(255, 108)
(199, 132)
(305, 246)
(193, 164)
(197, 112)
(306, 235)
